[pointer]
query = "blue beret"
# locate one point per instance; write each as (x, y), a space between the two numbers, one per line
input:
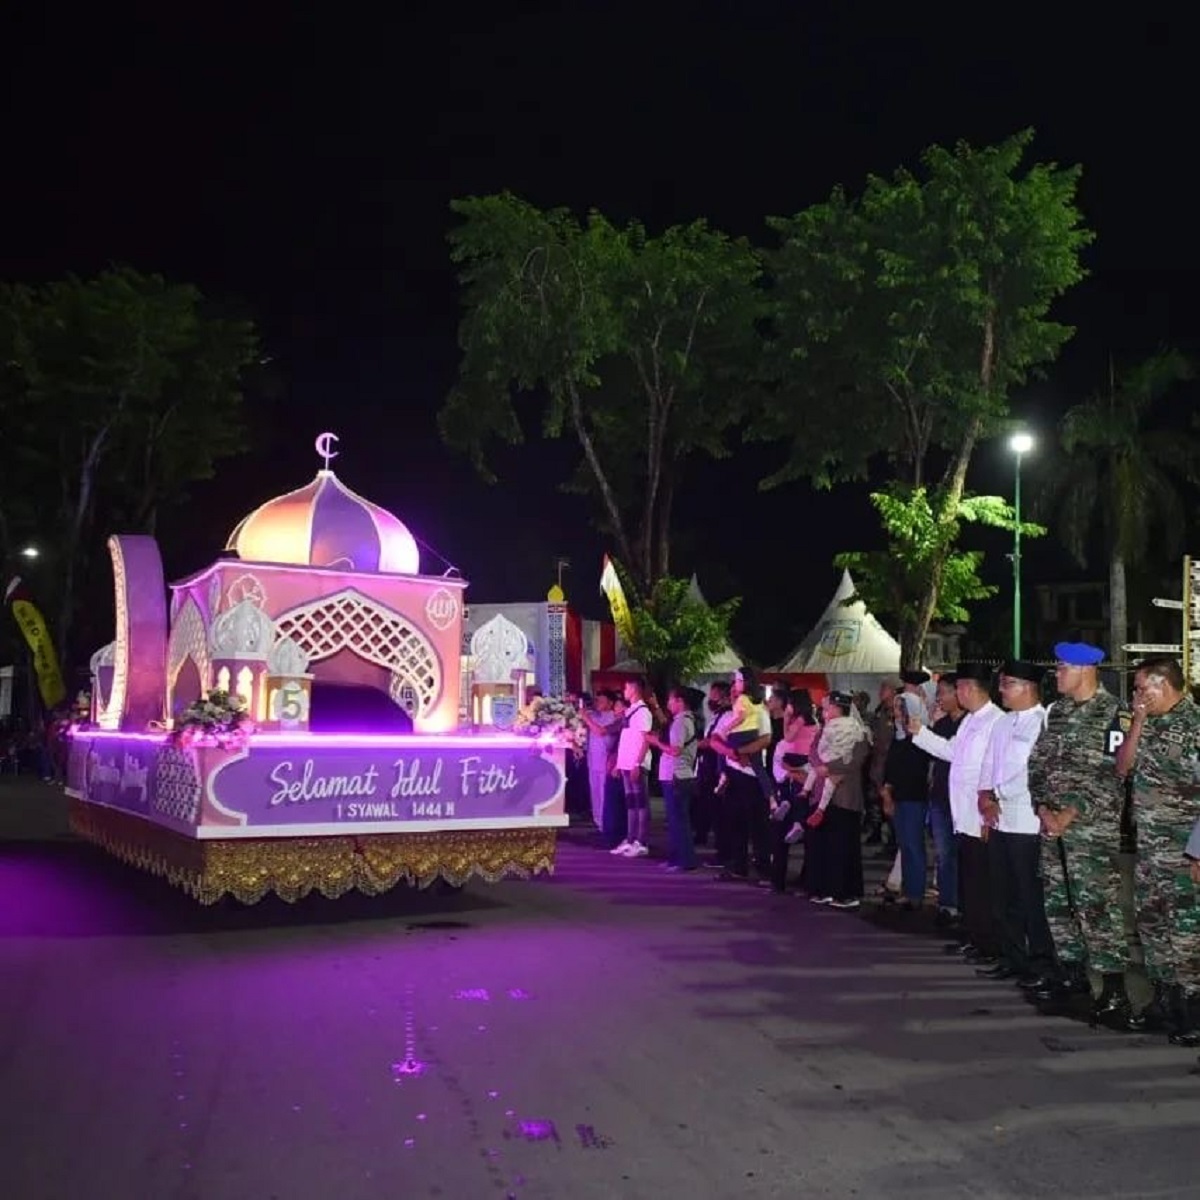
(1078, 654)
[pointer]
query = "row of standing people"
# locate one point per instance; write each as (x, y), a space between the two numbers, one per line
(1043, 801)
(759, 775)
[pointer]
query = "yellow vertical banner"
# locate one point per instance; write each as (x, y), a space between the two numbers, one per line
(610, 585)
(33, 628)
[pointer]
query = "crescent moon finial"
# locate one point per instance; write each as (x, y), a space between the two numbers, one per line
(324, 447)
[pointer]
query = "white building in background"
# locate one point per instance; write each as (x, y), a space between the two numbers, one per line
(563, 648)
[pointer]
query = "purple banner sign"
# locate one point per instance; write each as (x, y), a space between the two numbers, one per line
(294, 784)
(319, 784)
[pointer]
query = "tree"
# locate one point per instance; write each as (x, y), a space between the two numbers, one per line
(1127, 453)
(628, 341)
(902, 321)
(125, 390)
(673, 634)
(891, 582)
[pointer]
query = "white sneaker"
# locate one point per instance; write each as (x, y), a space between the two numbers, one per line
(820, 899)
(623, 848)
(637, 850)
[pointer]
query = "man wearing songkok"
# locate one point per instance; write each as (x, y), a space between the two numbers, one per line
(1014, 837)
(1078, 798)
(1162, 756)
(964, 752)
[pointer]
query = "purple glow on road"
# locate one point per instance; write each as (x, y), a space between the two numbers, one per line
(408, 1069)
(539, 1131)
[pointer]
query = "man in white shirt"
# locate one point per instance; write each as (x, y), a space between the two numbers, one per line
(1014, 838)
(633, 762)
(964, 752)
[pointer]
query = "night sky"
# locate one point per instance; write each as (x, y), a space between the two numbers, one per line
(302, 168)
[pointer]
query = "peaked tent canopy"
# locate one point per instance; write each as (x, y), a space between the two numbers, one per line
(847, 645)
(726, 660)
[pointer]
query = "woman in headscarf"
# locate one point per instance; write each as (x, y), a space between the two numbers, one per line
(835, 826)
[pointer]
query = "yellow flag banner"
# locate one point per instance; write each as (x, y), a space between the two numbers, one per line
(33, 627)
(610, 585)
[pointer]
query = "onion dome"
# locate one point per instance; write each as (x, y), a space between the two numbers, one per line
(326, 525)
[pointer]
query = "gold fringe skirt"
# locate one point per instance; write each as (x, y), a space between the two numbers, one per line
(249, 868)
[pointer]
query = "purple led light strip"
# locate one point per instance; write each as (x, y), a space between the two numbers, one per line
(332, 740)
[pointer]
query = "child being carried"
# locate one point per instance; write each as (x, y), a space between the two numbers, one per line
(839, 736)
(746, 728)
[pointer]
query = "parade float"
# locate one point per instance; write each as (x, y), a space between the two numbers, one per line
(210, 760)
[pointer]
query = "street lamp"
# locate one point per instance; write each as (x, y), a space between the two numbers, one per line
(1020, 444)
(30, 552)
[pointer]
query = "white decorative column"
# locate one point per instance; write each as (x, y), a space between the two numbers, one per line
(103, 664)
(498, 649)
(241, 640)
(555, 682)
(289, 686)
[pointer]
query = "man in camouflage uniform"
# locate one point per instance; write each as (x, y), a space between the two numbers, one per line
(1078, 797)
(1161, 755)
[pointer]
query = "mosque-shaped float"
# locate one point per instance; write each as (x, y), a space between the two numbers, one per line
(368, 757)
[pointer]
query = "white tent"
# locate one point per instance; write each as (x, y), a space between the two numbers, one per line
(847, 645)
(726, 660)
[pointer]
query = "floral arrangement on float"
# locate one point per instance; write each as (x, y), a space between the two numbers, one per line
(220, 719)
(550, 716)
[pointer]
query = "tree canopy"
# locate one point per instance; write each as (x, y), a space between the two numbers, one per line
(119, 391)
(903, 318)
(632, 344)
(673, 633)
(1130, 451)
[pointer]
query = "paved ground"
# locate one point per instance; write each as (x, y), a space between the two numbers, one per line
(612, 1032)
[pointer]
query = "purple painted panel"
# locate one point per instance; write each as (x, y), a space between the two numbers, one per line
(342, 529)
(139, 669)
(116, 772)
(295, 784)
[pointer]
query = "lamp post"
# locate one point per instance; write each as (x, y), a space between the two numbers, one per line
(1020, 444)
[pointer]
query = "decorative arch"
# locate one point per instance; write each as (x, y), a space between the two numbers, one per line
(136, 697)
(499, 647)
(189, 640)
(349, 620)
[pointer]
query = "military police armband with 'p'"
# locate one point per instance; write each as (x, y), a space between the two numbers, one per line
(1116, 733)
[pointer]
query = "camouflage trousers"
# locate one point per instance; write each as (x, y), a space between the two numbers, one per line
(1168, 904)
(1083, 905)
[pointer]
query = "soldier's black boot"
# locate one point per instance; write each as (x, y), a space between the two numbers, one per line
(1060, 997)
(1185, 1030)
(1111, 1008)
(1155, 1017)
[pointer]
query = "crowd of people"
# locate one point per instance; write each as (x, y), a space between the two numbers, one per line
(38, 750)
(1028, 810)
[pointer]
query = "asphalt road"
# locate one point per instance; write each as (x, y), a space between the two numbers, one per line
(611, 1032)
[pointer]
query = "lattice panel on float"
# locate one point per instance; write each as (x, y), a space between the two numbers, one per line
(189, 639)
(351, 621)
(177, 786)
(404, 695)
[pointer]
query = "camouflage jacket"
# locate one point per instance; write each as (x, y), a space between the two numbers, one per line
(1073, 763)
(1164, 775)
